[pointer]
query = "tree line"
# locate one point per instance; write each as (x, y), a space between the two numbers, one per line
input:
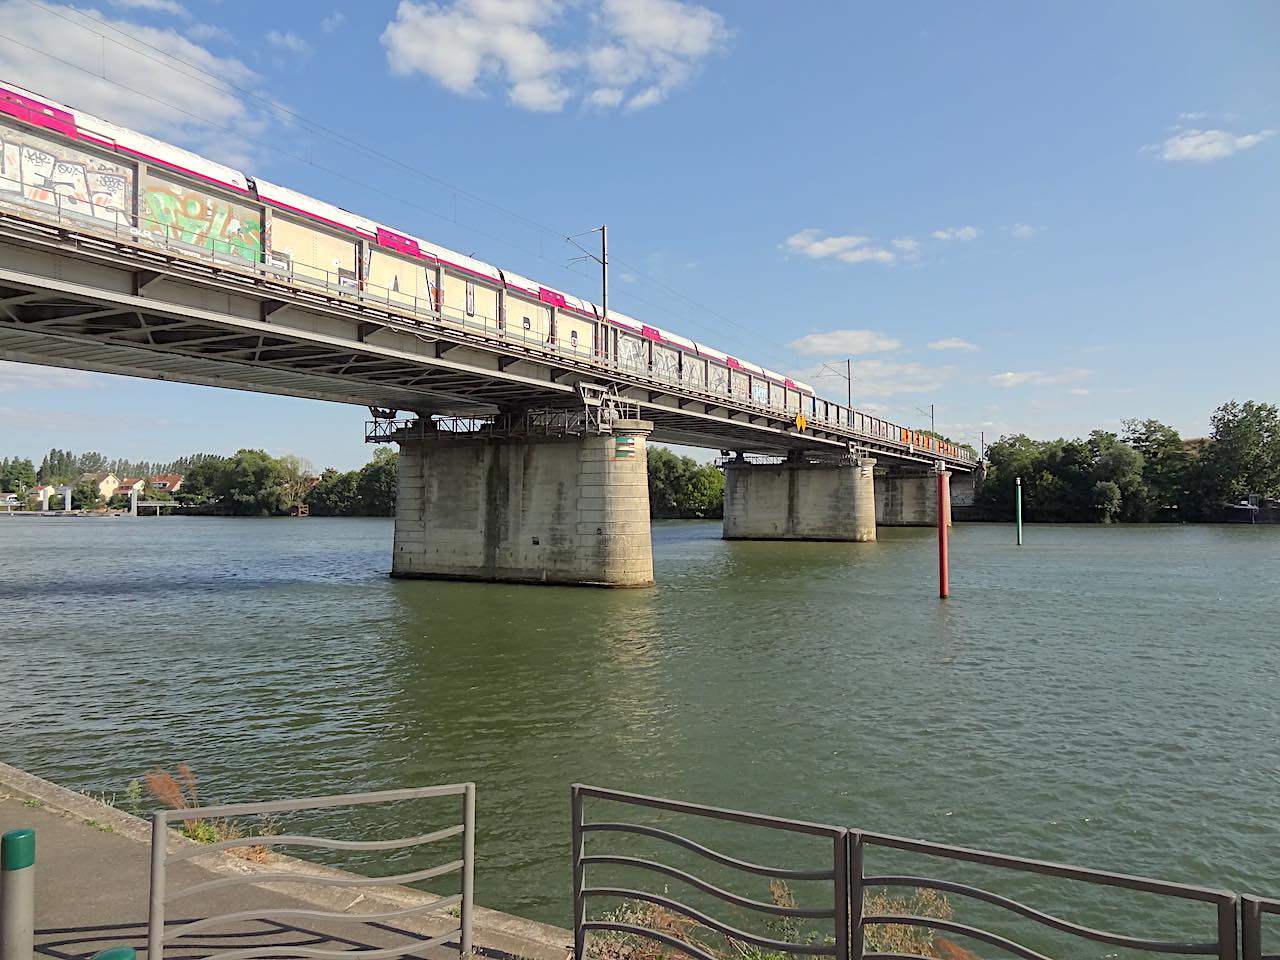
(1147, 472)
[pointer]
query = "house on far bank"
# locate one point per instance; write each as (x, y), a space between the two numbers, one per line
(8, 500)
(131, 485)
(42, 493)
(168, 482)
(106, 483)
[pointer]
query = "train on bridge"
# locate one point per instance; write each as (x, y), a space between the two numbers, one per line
(106, 176)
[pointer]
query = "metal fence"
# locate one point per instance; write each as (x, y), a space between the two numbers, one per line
(1252, 910)
(831, 873)
(1223, 903)
(861, 902)
(161, 858)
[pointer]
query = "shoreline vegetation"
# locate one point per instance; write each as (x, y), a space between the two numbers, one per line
(1145, 473)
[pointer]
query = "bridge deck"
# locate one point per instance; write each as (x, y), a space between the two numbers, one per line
(84, 295)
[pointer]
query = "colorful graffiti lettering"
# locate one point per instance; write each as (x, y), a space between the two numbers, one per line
(196, 218)
(41, 171)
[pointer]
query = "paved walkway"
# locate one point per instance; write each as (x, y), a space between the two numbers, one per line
(92, 884)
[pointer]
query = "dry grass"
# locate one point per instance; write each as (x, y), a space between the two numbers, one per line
(878, 938)
(181, 792)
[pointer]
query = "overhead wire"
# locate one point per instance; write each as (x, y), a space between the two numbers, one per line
(93, 25)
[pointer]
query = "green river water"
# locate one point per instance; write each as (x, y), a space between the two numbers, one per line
(1100, 696)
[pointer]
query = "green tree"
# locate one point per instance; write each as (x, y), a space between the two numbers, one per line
(252, 483)
(86, 496)
(1106, 500)
(17, 475)
(681, 488)
(1165, 468)
(1244, 457)
(377, 483)
(335, 495)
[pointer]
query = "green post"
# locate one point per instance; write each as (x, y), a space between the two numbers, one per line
(116, 953)
(1019, 509)
(17, 894)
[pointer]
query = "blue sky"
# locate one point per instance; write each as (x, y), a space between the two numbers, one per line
(1038, 218)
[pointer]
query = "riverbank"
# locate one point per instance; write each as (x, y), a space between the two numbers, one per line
(93, 873)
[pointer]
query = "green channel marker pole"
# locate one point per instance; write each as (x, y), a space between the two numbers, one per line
(17, 894)
(1019, 508)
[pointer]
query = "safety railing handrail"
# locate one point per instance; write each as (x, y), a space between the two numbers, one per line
(1236, 918)
(835, 874)
(1252, 910)
(1223, 947)
(158, 933)
(304, 278)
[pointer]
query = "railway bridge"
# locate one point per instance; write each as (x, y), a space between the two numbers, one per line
(522, 444)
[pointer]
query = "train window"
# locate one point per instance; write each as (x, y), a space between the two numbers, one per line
(573, 338)
(471, 299)
(528, 324)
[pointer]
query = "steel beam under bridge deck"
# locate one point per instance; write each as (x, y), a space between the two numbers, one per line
(111, 305)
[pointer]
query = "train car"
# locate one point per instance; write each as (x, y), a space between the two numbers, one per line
(313, 242)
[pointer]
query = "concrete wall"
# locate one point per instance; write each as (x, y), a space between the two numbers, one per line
(799, 501)
(572, 510)
(908, 499)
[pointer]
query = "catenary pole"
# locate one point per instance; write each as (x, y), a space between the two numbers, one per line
(604, 271)
(848, 375)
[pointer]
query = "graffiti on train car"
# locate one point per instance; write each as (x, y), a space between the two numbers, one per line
(192, 216)
(42, 171)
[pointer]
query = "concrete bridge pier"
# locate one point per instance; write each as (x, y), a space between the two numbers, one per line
(524, 508)
(800, 500)
(908, 497)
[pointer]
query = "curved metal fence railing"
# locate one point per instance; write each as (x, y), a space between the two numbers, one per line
(1223, 903)
(874, 914)
(159, 935)
(829, 875)
(1252, 910)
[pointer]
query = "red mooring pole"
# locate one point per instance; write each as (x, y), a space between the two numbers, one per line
(944, 560)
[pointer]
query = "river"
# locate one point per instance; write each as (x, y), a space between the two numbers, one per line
(1102, 696)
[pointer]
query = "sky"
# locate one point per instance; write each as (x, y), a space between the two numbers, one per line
(1037, 218)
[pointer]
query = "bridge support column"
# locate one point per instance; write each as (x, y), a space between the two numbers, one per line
(908, 497)
(797, 500)
(532, 509)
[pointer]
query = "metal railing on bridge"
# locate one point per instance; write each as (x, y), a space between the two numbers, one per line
(419, 315)
(871, 920)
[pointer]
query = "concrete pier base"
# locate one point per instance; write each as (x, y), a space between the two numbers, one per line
(797, 500)
(565, 510)
(908, 497)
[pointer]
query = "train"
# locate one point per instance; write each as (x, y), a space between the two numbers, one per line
(104, 176)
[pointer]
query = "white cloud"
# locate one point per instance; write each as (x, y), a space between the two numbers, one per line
(16, 377)
(952, 343)
(171, 7)
(849, 248)
(333, 21)
(207, 31)
(655, 45)
(957, 233)
(1197, 115)
(909, 246)
(1078, 392)
(636, 51)
(1036, 378)
(199, 110)
(1023, 231)
(845, 343)
(1203, 146)
(878, 378)
(288, 40)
